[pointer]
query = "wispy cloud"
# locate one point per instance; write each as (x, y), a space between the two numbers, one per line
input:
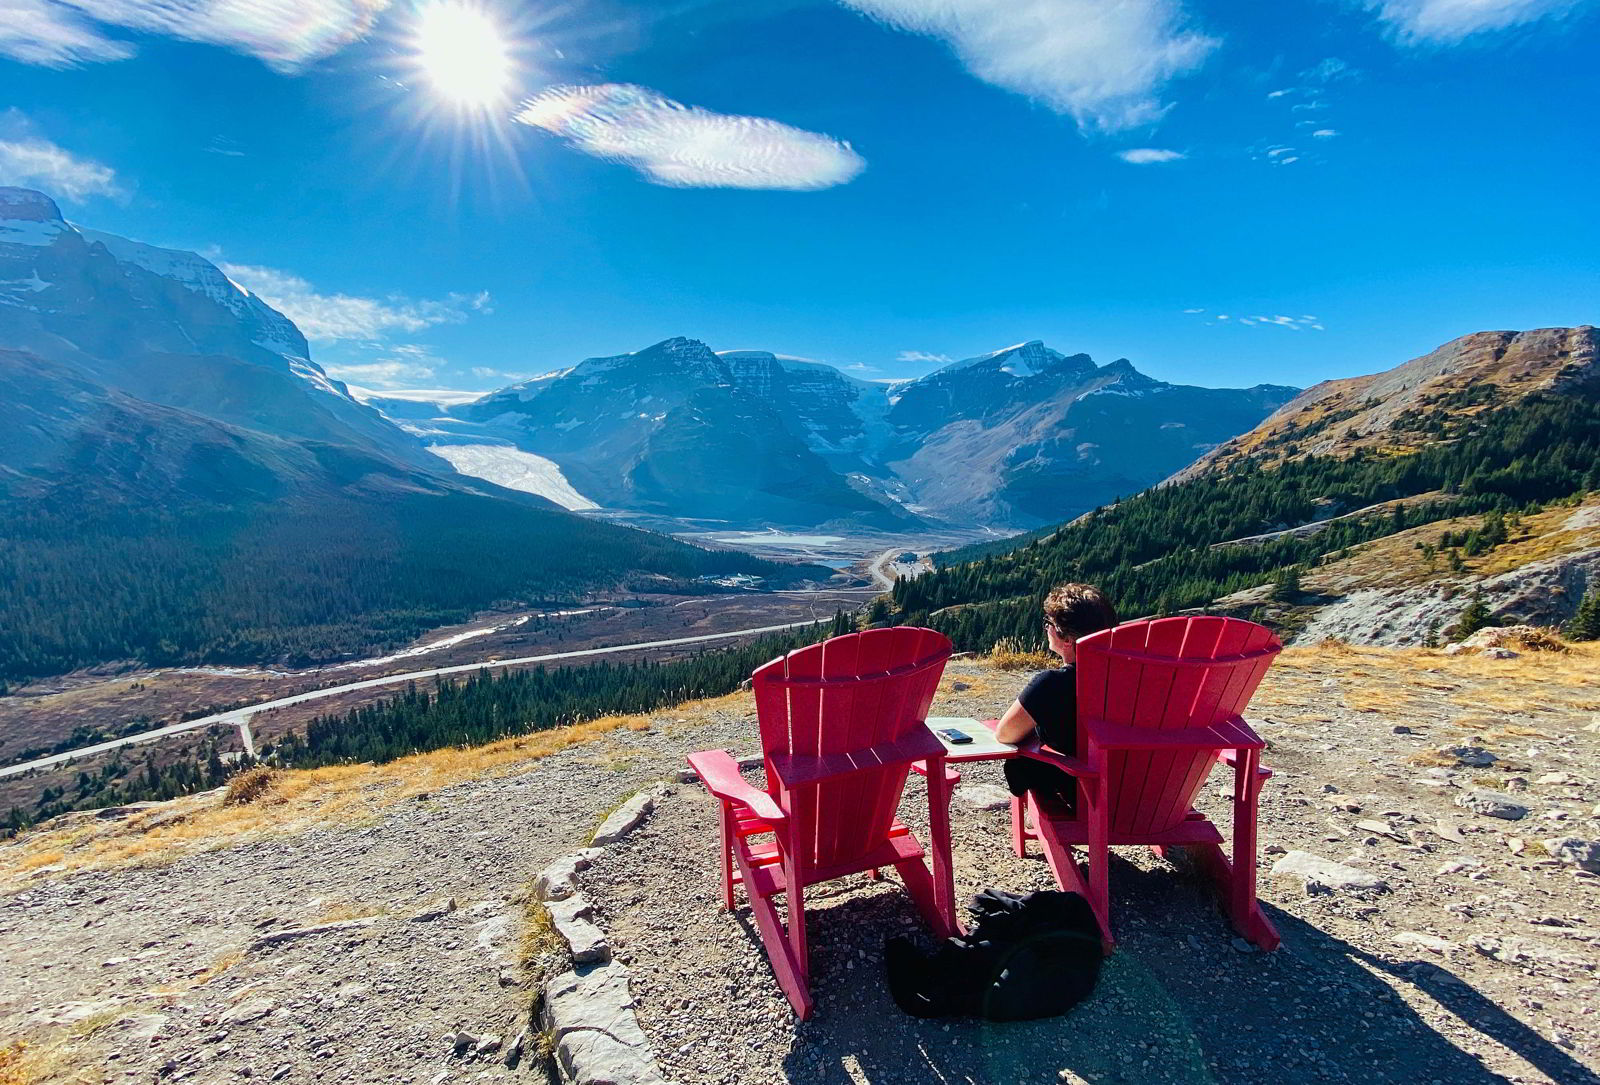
(1104, 64)
(1150, 156)
(1446, 22)
(685, 146)
(331, 317)
(1309, 99)
(286, 34)
(404, 366)
(31, 161)
(1304, 322)
(922, 356)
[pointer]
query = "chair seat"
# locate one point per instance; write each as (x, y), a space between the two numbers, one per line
(1195, 829)
(766, 865)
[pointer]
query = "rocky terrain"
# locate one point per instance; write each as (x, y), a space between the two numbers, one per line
(371, 923)
(1392, 591)
(1381, 411)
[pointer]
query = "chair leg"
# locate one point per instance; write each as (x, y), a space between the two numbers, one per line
(1019, 835)
(1243, 906)
(727, 856)
(944, 883)
(1099, 856)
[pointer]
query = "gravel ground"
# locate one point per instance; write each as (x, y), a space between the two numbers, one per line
(160, 973)
(1496, 981)
(156, 973)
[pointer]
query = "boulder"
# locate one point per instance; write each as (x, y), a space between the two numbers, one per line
(626, 818)
(1473, 756)
(1325, 875)
(984, 796)
(1491, 804)
(558, 881)
(570, 917)
(598, 1039)
(1583, 854)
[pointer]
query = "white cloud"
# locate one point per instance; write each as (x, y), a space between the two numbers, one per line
(286, 34)
(685, 146)
(1277, 320)
(1446, 22)
(1147, 156)
(483, 372)
(343, 316)
(53, 35)
(1105, 64)
(1324, 133)
(922, 356)
(30, 161)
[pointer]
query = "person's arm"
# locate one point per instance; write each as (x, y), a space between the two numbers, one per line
(1016, 725)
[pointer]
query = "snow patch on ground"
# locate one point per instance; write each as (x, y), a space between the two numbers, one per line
(515, 470)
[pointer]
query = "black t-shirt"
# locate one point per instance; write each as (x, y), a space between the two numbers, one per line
(1051, 698)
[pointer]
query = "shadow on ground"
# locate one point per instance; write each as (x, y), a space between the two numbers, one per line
(1177, 1003)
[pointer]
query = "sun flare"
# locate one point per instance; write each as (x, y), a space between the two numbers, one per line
(463, 53)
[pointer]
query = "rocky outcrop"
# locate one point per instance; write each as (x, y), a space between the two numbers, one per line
(1542, 593)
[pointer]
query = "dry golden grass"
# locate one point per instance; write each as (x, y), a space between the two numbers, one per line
(539, 937)
(1009, 655)
(249, 785)
(298, 800)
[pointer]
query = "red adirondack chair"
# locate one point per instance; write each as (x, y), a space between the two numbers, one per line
(1159, 704)
(841, 725)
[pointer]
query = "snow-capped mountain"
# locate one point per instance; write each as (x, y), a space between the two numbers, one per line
(1016, 438)
(168, 328)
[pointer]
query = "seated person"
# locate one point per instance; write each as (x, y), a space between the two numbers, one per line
(1048, 705)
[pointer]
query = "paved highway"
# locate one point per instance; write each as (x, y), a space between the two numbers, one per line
(240, 717)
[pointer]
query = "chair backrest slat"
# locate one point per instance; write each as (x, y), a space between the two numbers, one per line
(845, 694)
(1162, 674)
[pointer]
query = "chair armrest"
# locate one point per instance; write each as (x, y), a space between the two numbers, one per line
(720, 773)
(1231, 759)
(1073, 766)
(1229, 734)
(795, 770)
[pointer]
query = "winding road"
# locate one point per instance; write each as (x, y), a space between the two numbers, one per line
(240, 717)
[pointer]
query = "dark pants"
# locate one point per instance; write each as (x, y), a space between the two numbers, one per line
(1024, 774)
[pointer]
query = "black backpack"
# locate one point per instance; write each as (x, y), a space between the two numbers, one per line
(1032, 956)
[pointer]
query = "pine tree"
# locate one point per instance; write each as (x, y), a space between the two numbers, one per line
(1585, 624)
(1474, 618)
(1286, 585)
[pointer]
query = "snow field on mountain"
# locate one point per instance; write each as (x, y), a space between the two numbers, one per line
(515, 470)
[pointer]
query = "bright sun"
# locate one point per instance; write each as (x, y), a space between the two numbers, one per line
(463, 53)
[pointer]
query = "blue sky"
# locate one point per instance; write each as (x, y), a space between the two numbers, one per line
(878, 184)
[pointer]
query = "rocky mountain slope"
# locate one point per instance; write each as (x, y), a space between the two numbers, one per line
(1396, 410)
(1019, 437)
(181, 481)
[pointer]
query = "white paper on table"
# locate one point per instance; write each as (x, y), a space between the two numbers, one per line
(983, 743)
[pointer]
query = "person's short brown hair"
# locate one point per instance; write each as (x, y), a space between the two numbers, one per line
(1076, 610)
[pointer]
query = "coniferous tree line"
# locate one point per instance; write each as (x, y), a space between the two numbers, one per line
(121, 781)
(299, 585)
(480, 709)
(1158, 552)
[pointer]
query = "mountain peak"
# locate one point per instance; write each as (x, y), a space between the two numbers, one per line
(27, 205)
(29, 217)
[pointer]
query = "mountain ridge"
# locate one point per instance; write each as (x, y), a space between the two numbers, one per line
(1015, 437)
